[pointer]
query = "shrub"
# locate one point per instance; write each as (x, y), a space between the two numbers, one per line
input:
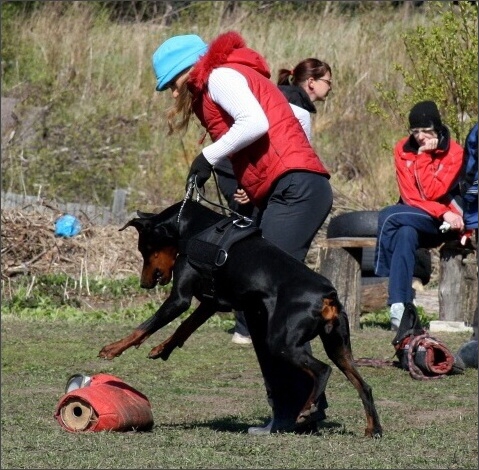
(443, 67)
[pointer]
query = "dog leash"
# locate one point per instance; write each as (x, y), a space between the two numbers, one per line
(242, 220)
(188, 195)
(218, 192)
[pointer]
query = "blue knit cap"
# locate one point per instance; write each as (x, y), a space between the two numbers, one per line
(175, 55)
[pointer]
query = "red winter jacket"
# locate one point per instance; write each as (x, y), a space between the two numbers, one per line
(283, 148)
(429, 180)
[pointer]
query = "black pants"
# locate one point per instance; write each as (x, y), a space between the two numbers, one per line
(228, 186)
(297, 206)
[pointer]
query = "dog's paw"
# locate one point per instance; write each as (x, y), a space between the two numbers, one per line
(106, 355)
(159, 351)
(309, 414)
(164, 349)
(110, 352)
(374, 433)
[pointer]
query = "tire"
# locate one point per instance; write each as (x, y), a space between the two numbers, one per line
(354, 224)
(367, 261)
(365, 224)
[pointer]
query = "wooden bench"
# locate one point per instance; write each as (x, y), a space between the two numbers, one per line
(339, 259)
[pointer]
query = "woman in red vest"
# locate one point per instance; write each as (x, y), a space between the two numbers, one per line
(227, 86)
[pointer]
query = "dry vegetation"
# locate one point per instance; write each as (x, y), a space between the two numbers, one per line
(105, 124)
(29, 246)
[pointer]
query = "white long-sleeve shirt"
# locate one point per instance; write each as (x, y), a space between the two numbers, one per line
(304, 118)
(230, 90)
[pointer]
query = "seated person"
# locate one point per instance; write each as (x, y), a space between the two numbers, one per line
(428, 165)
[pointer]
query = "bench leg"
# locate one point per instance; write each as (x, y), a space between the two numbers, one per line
(457, 283)
(342, 266)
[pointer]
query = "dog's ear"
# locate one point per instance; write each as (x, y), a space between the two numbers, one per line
(139, 224)
(163, 231)
(145, 215)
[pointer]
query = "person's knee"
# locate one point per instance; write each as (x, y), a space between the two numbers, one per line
(384, 214)
(407, 234)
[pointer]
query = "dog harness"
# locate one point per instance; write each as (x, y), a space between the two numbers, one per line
(208, 251)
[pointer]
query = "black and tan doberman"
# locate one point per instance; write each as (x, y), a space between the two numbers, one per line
(286, 304)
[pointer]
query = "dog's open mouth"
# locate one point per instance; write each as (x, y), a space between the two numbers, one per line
(157, 278)
(150, 281)
(160, 278)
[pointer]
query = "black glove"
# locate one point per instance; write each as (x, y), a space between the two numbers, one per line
(202, 169)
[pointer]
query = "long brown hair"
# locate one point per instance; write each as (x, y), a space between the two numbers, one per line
(301, 72)
(178, 115)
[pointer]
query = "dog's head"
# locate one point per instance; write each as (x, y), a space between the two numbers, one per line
(158, 246)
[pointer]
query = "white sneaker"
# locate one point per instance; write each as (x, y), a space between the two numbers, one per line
(240, 339)
(396, 312)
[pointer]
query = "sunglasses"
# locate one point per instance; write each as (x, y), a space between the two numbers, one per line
(427, 131)
(325, 80)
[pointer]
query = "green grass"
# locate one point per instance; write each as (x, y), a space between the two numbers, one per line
(208, 393)
(381, 318)
(61, 297)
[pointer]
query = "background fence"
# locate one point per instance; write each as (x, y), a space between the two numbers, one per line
(116, 214)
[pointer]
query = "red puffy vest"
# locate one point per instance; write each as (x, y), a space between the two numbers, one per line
(282, 149)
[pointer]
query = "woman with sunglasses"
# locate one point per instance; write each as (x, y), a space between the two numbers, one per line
(308, 82)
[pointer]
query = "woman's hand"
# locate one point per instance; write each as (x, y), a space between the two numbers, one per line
(240, 196)
(200, 171)
(454, 220)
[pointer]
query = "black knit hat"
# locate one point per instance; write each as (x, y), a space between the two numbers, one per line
(425, 114)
